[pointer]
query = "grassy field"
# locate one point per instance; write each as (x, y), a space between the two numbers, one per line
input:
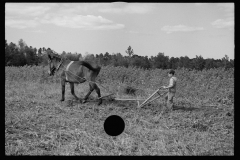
(37, 123)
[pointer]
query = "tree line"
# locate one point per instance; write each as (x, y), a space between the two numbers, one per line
(21, 54)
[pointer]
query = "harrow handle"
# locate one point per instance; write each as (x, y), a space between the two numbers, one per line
(149, 98)
(154, 99)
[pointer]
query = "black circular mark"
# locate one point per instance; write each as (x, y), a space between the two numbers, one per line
(114, 125)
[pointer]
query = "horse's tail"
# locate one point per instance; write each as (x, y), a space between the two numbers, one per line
(89, 66)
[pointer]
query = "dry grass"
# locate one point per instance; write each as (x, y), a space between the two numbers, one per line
(37, 123)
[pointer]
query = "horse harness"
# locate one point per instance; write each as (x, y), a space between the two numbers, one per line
(61, 62)
(68, 69)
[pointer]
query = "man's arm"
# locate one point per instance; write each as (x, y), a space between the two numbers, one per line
(170, 84)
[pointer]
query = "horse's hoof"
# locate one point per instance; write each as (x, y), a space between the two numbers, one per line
(76, 98)
(62, 100)
(100, 102)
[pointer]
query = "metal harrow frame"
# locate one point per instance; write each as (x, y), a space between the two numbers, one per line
(145, 101)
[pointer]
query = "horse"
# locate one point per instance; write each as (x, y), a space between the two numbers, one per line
(74, 72)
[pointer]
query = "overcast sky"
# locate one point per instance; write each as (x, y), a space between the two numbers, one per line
(177, 29)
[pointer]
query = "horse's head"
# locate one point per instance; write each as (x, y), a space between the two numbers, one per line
(54, 62)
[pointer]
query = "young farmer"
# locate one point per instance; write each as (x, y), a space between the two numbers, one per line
(171, 89)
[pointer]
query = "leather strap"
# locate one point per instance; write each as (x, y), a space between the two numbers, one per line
(67, 69)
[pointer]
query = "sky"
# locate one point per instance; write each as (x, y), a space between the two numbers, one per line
(175, 29)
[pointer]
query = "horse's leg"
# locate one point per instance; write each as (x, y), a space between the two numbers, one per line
(98, 92)
(72, 90)
(89, 92)
(63, 89)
